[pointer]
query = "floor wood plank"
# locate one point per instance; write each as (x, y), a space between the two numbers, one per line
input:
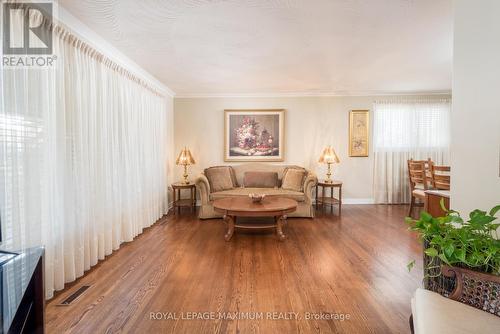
(354, 265)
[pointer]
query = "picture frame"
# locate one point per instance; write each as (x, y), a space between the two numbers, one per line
(359, 133)
(254, 134)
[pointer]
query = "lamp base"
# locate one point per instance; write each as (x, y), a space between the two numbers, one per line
(329, 174)
(185, 175)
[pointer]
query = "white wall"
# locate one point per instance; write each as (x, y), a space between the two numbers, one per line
(475, 121)
(311, 123)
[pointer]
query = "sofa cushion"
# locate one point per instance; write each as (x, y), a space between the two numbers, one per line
(433, 313)
(293, 179)
(241, 169)
(237, 192)
(220, 178)
(260, 180)
(418, 193)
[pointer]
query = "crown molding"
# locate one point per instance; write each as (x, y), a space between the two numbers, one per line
(312, 94)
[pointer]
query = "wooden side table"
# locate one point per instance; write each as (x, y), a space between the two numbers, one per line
(329, 200)
(184, 202)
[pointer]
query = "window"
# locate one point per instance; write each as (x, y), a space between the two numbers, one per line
(406, 126)
(402, 130)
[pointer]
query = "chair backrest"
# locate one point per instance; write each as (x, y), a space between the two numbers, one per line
(440, 177)
(418, 173)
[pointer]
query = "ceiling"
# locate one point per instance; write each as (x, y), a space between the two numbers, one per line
(217, 47)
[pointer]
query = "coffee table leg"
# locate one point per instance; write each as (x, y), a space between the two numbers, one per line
(279, 227)
(230, 227)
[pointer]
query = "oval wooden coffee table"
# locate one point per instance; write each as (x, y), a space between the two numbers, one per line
(276, 207)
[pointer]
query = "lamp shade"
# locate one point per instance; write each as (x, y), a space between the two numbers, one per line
(185, 158)
(329, 156)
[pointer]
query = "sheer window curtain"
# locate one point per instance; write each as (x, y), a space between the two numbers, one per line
(83, 159)
(405, 129)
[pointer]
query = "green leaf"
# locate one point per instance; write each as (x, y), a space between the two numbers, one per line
(456, 219)
(444, 259)
(431, 251)
(448, 250)
(477, 213)
(426, 217)
(410, 265)
(460, 254)
(494, 210)
(494, 227)
(441, 204)
(482, 219)
(436, 239)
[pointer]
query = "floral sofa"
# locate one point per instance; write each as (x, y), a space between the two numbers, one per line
(245, 180)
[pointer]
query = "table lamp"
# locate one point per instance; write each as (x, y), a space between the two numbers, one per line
(329, 157)
(185, 159)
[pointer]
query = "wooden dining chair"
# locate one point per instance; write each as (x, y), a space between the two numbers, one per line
(418, 172)
(440, 177)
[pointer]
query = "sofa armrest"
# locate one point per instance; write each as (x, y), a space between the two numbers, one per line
(433, 313)
(203, 186)
(309, 184)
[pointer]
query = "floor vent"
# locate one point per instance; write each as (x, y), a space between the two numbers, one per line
(75, 295)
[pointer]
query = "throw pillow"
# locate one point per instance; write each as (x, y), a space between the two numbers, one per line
(260, 180)
(293, 179)
(220, 178)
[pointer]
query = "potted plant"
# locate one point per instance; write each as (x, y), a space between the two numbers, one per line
(449, 240)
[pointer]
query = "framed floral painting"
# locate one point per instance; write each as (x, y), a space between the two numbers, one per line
(254, 135)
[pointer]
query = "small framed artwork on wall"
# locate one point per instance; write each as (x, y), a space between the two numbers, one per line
(359, 128)
(254, 135)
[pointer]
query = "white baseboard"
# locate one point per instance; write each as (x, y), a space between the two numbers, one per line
(358, 201)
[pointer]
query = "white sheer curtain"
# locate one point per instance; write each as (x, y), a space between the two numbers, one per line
(83, 159)
(405, 129)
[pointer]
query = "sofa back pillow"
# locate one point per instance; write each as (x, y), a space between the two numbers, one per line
(260, 180)
(220, 178)
(293, 179)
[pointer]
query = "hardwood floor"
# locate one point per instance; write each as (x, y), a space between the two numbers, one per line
(354, 266)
